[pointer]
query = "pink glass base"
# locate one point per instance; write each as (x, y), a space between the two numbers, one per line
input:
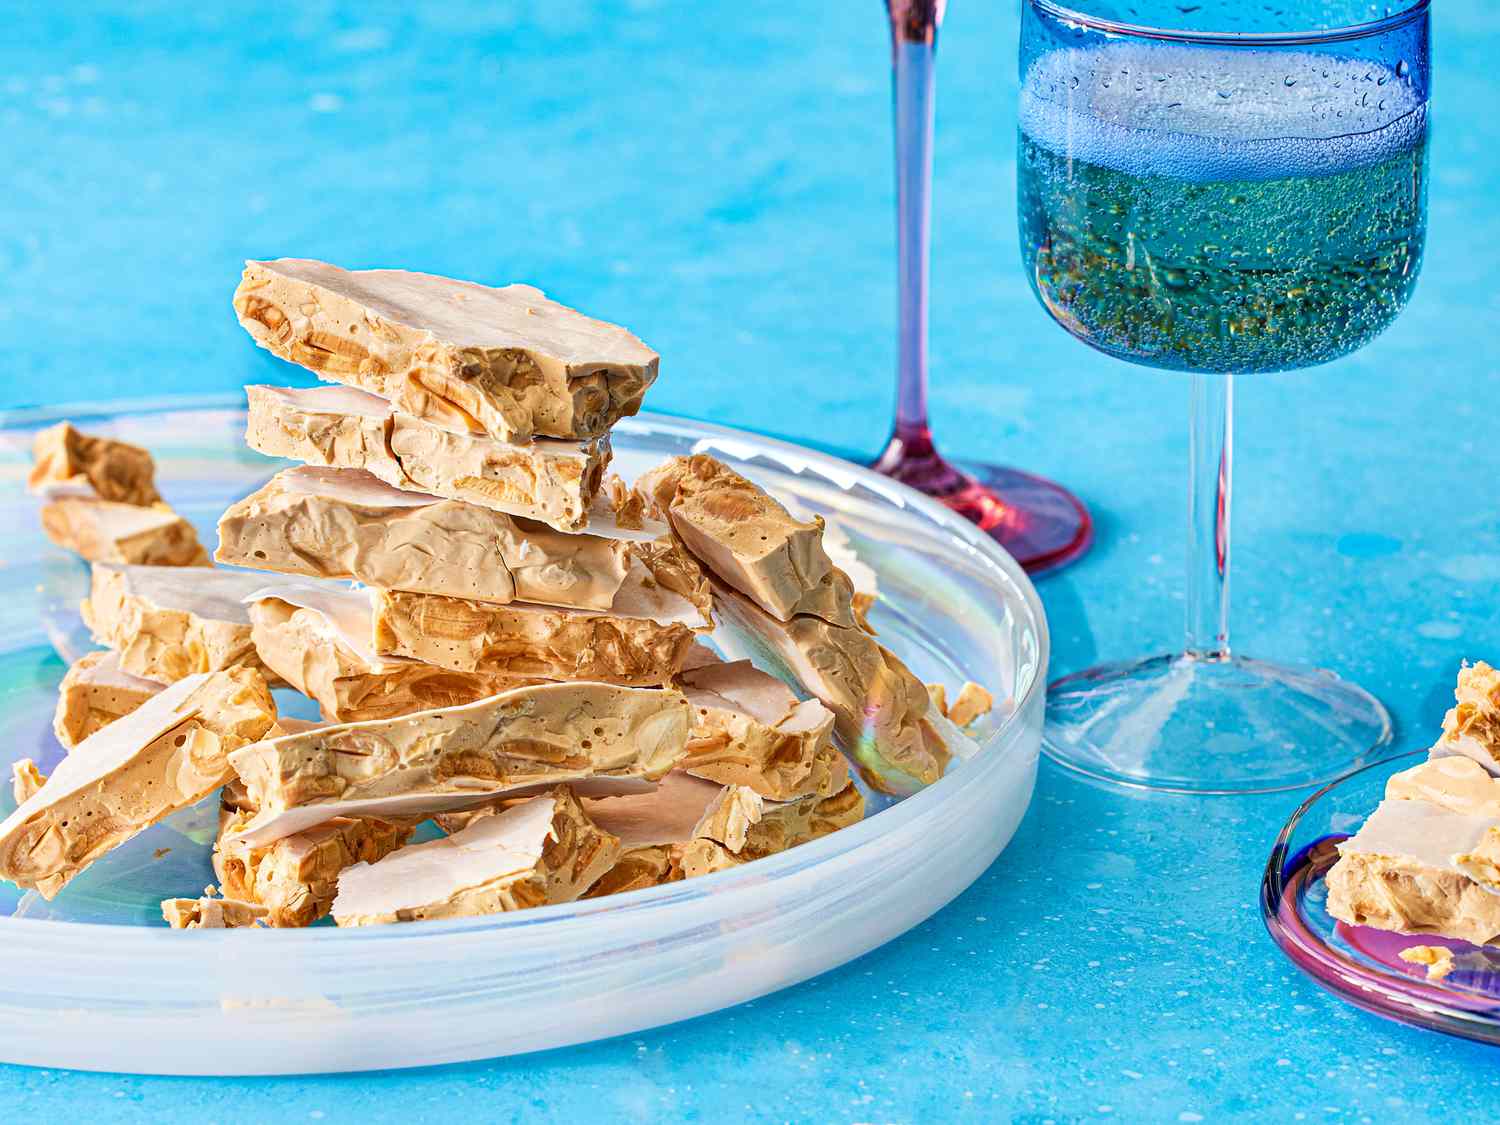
(1041, 524)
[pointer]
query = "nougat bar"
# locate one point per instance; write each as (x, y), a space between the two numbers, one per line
(319, 642)
(66, 462)
(166, 622)
(94, 693)
(169, 753)
(641, 642)
(347, 523)
(105, 531)
(505, 361)
(539, 851)
(553, 482)
(457, 757)
(750, 729)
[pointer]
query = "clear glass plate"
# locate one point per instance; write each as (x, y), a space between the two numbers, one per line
(97, 982)
(1358, 963)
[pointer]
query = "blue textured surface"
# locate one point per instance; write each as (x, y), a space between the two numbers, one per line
(717, 178)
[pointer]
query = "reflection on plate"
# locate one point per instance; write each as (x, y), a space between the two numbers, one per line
(1358, 963)
(107, 987)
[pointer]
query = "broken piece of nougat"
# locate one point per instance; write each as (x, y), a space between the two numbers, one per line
(882, 712)
(554, 482)
(169, 753)
(749, 540)
(104, 531)
(66, 462)
(94, 693)
(1472, 727)
(458, 757)
(294, 879)
(642, 642)
(26, 780)
(539, 851)
(208, 912)
(166, 622)
(653, 826)
(781, 825)
(507, 362)
(750, 729)
(346, 523)
(779, 589)
(319, 642)
(1428, 859)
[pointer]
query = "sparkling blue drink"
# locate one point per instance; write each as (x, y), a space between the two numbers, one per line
(1247, 211)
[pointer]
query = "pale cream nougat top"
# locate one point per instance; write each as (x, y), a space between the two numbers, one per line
(508, 362)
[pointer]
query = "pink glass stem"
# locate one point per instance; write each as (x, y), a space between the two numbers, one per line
(1041, 524)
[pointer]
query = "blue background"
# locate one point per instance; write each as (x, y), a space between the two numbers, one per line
(718, 177)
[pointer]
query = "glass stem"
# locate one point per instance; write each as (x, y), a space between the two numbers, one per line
(914, 29)
(1211, 449)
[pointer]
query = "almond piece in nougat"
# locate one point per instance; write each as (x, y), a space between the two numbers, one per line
(66, 462)
(642, 642)
(94, 693)
(319, 642)
(166, 622)
(459, 757)
(169, 753)
(553, 482)
(536, 852)
(1472, 726)
(346, 523)
(507, 362)
(105, 531)
(750, 729)
(781, 825)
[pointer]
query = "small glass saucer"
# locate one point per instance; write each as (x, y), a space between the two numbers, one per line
(1357, 963)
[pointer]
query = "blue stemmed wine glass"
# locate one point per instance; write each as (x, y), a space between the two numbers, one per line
(1221, 188)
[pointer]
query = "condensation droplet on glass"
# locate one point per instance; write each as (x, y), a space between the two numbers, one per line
(1402, 70)
(1289, 80)
(1073, 82)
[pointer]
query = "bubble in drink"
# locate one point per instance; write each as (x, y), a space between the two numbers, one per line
(1235, 210)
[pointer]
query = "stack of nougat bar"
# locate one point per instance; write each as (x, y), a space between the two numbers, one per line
(502, 639)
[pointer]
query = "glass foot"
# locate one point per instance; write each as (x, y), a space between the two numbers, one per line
(1042, 525)
(1199, 724)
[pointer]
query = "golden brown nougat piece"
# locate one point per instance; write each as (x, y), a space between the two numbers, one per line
(294, 879)
(69, 463)
(320, 642)
(94, 693)
(166, 622)
(347, 523)
(208, 912)
(553, 482)
(750, 729)
(533, 641)
(688, 826)
(458, 757)
(1472, 726)
(883, 714)
(508, 362)
(781, 826)
(538, 851)
(105, 531)
(749, 540)
(169, 753)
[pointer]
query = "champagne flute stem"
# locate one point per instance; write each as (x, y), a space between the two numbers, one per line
(914, 29)
(1211, 449)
